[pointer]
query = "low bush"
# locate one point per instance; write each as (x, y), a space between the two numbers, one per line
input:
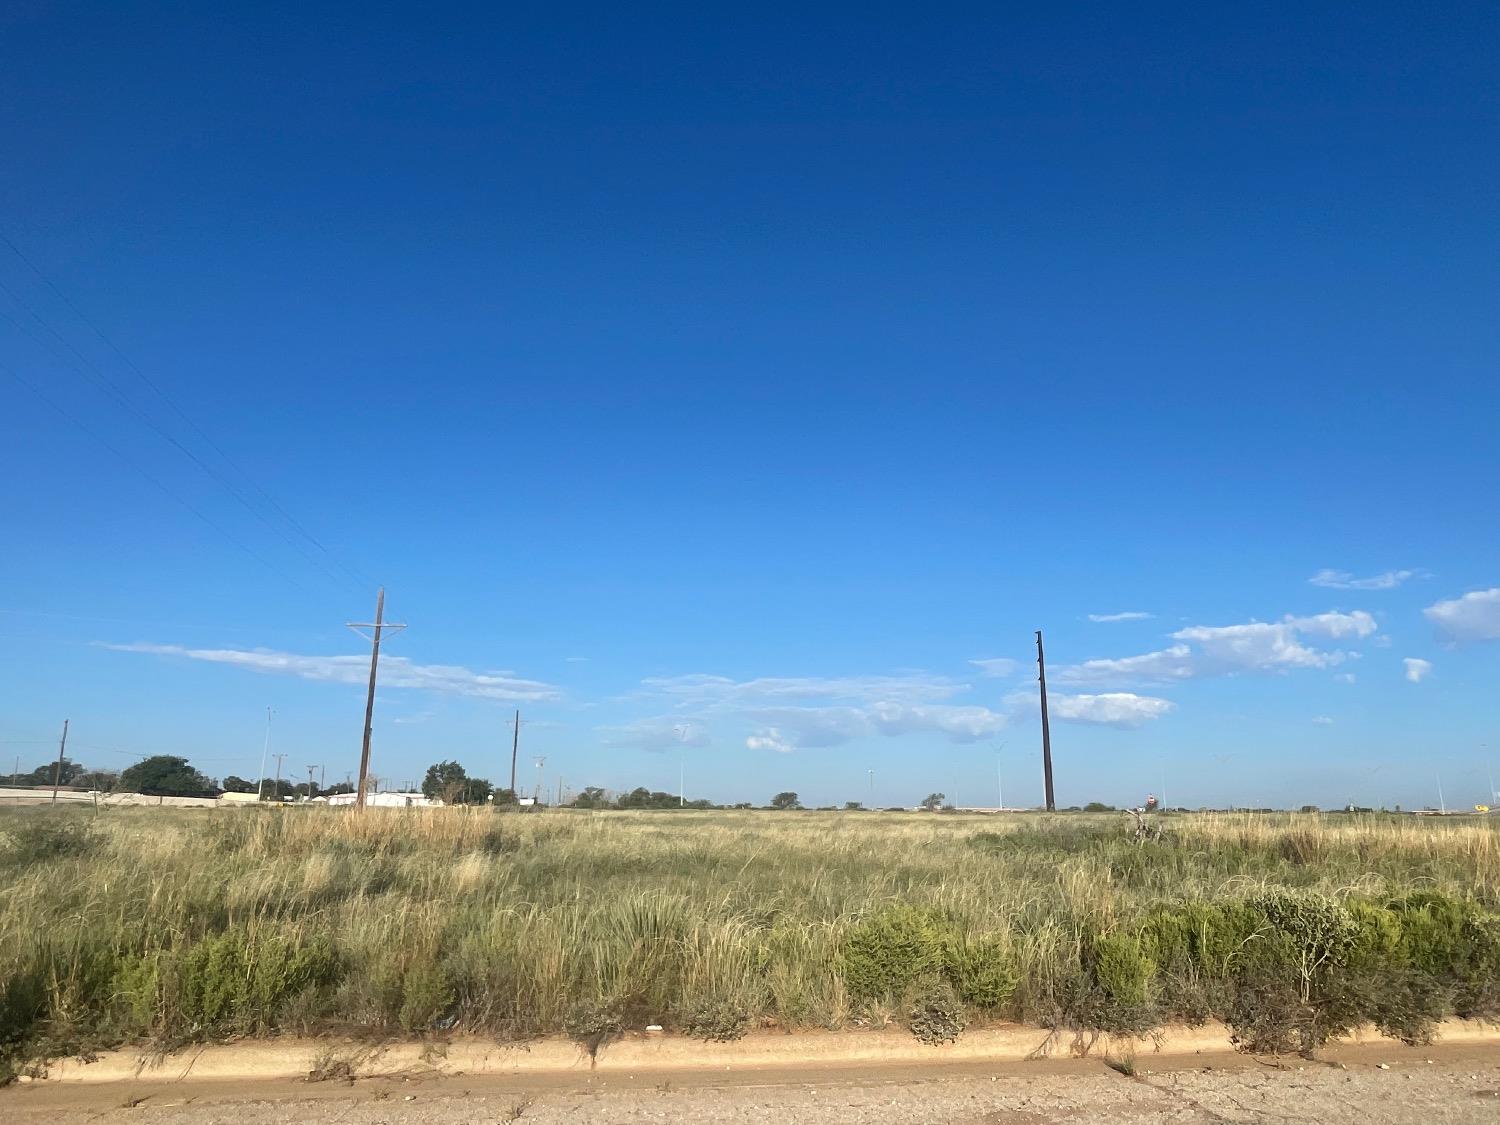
(715, 1019)
(934, 1012)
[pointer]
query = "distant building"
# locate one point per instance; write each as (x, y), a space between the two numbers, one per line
(386, 800)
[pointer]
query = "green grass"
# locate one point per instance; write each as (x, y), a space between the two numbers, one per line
(169, 927)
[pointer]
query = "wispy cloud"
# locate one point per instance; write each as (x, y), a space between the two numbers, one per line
(1473, 617)
(1345, 677)
(1417, 669)
(1210, 650)
(793, 728)
(395, 671)
(721, 690)
(1323, 720)
(810, 712)
(660, 732)
(995, 667)
(1343, 580)
(1128, 615)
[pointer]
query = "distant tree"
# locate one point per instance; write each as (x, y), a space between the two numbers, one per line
(505, 796)
(744, 805)
(443, 781)
(166, 775)
(474, 791)
(42, 775)
(1098, 806)
(933, 801)
(1309, 809)
(853, 806)
(787, 800)
(275, 789)
(341, 787)
(592, 797)
(233, 784)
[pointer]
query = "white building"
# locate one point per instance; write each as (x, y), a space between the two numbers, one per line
(386, 800)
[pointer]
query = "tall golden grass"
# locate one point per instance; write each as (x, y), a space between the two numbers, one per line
(513, 923)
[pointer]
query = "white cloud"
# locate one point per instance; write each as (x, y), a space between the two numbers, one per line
(1417, 669)
(1343, 580)
(770, 739)
(1473, 617)
(1335, 626)
(1345, 677)
(1115, 709)
(1218, 650)
(1322, 721)
(395, 671)
(996, 667)
(1165, 665)
(1128, 615)
(661, 732)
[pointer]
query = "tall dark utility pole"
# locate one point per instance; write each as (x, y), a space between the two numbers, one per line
(1041, 670)
(57, 770)
(515, 744)
(378, 625)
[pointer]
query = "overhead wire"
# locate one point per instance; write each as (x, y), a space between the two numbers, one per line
(156, 388)
(85, 367)
(91, 432)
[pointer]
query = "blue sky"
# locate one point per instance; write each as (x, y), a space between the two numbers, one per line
(735, 392)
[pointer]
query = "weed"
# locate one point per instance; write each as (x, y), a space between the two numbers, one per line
(934, 1012)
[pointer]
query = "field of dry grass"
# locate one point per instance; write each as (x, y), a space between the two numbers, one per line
(170, 926)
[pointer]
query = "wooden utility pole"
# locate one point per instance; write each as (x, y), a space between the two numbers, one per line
(1041, 668)
(515, 744)
(276, 793)
(379, 626)
(57, 769)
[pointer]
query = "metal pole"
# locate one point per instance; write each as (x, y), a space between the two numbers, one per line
(515, 743)
(1041, 666)
(260, 785)
(57, 770)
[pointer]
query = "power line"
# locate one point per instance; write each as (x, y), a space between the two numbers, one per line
(352, 572)
(86, 428)
(90, 371)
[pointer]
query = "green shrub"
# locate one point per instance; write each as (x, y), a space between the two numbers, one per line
(1122, 969)
(888, 952)
(981, 970)
(235, 981)
(427, 995)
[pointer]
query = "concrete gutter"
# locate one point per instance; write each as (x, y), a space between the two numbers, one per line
(297, 1058)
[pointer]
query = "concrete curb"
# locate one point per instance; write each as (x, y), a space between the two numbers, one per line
(296, 1058)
